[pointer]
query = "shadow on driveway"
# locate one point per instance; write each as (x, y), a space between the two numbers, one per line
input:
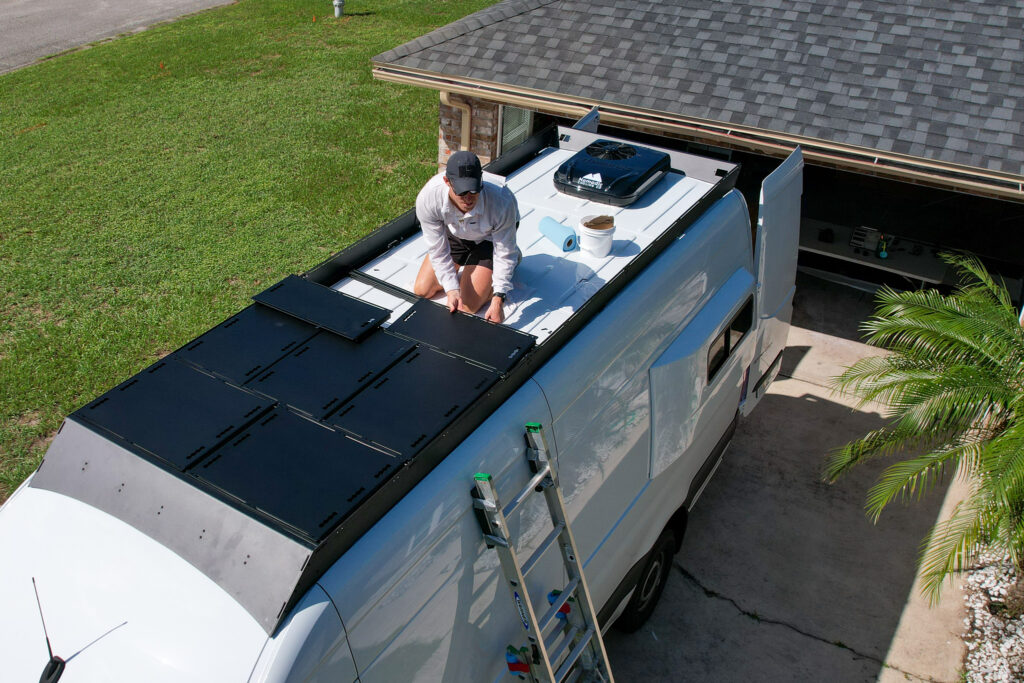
(782, 577)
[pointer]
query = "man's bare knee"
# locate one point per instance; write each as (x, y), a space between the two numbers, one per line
(471, 301)
(424, 289)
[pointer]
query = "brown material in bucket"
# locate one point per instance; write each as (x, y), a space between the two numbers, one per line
(600, 223)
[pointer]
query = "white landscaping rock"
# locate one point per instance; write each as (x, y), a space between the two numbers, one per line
(995, 645)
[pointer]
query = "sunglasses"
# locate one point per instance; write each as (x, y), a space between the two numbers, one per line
(468, 193)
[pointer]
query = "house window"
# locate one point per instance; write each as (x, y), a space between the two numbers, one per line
(726, 342)
(515, 127)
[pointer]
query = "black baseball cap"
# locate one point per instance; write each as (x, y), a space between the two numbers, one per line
(463, 172)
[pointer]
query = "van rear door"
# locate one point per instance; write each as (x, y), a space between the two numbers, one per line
(775, 251)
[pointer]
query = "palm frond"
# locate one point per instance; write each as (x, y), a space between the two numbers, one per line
(952, 545)
(876, 443)
(952, 387)
(908, 479)
(976, 278)
(1001, 467)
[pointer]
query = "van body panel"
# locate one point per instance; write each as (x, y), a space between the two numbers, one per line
(683, 397)
(599, 390)
(309, 647)
(775, 253)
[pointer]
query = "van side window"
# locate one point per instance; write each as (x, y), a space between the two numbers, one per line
(716, 355)
(729, 339)
(741, 324)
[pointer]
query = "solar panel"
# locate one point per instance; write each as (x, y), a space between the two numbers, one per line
(246, 344)
(297, 471)
(495, 346)
(413, 401)
(174, 412)
(322, 306)
(325, 371)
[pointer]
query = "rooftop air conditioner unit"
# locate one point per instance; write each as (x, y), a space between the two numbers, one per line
(611, 172)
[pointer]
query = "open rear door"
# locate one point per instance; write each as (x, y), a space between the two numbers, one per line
(775, 251)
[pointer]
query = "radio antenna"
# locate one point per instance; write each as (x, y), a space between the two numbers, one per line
(55, 667)
(41, 618)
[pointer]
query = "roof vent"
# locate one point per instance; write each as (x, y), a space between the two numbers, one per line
(610, 150)
(611, 172)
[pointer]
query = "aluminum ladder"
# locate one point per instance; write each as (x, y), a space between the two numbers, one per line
(565, 643)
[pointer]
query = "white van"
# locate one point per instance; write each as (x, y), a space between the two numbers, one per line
(287, 497)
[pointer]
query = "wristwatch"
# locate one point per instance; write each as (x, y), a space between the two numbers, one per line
(501, 295)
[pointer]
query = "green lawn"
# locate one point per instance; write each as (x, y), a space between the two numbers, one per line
(151, 184)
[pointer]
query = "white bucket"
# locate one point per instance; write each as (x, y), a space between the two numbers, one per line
(595, 242)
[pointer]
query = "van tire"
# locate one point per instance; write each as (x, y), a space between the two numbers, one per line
(650, 584)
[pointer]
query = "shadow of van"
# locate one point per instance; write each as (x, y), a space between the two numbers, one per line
(782, 577)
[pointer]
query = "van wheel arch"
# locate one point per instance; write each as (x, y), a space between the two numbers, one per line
(650, 583)
(677, 524)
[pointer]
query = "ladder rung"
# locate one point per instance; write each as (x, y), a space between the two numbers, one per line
(574, 655)
(549, 616)
(527, 490)
(535, 558)
(556, 652)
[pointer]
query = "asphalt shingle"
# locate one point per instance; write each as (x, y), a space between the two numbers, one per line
(927, 78)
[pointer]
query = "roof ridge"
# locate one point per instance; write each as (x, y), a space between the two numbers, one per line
(474, 22)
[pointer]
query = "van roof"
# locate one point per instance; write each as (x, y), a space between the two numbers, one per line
(263, 449)
(549, 285)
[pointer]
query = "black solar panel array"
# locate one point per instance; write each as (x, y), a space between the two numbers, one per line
(297, 410)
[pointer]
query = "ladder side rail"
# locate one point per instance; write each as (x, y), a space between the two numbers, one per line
(514, 579)
(574, 567)
(537, 454)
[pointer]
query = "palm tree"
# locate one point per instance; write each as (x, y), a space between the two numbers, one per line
(953, 388)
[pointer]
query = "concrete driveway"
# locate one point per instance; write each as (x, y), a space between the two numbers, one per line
(32, 29)
(782, 577)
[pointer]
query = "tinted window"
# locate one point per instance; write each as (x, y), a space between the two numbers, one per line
(716, 355)
(724, 344)
(741, 324)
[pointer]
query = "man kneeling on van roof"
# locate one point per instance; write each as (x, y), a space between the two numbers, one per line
(469, 223)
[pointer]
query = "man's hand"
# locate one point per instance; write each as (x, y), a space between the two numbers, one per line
(454, 300)
(496, 311)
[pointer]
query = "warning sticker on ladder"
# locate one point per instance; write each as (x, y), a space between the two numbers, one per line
(522, 610)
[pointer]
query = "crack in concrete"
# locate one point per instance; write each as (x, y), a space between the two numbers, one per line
(784, 376)
(757, 617)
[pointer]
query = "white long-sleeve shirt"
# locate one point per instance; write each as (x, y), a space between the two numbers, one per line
(493, 218)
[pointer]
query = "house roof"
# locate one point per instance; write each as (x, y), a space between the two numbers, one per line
(938, 80)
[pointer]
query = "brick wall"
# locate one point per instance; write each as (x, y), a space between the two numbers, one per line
(484, 136)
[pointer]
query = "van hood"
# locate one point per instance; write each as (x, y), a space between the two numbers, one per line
(118, 606)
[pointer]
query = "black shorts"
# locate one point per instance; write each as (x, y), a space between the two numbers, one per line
(470, 253)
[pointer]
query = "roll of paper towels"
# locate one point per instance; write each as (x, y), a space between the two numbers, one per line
(558, 233)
